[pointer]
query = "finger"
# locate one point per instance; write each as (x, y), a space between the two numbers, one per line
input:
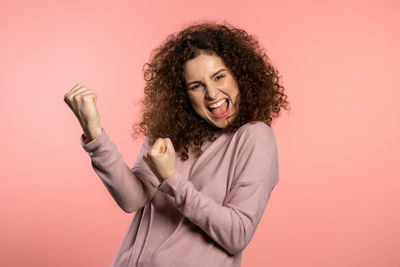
(71, 90)
(79, 90)
(157, 147)
(169, 145)
(76, 86)
(72, 93)
(80, 96)
(90, 93)
(164, 147)
(75, 89)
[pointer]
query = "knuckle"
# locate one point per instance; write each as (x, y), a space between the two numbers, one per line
(76, 97)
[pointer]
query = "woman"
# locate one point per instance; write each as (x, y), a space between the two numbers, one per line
(209, 162)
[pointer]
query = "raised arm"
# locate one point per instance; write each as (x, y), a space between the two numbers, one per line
(233, 223)
(132, 187)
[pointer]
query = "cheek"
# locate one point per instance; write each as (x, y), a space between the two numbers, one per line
(233, 88)
(195, 101)
(231, 83)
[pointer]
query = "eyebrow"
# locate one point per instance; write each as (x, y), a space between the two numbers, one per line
(212, 76)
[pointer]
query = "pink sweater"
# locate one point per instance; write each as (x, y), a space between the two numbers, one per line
(205, 213)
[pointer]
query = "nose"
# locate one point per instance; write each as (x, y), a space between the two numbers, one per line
(211, 91)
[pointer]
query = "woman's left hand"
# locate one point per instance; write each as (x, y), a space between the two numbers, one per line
(161, 158)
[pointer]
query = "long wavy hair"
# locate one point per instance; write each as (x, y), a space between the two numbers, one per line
(166, 109)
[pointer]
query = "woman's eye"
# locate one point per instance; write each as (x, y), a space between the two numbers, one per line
(220, 76)
(196, 86)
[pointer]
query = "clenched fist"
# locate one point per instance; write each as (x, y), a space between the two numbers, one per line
(161, 158)
(82, 101)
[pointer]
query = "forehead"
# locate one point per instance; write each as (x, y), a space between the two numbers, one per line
(202, 66)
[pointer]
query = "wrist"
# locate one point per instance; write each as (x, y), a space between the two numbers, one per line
(169, 174)
(91, 134)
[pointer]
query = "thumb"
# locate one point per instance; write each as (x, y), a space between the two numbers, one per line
(163, 147)
(169, 145)
(157, 148)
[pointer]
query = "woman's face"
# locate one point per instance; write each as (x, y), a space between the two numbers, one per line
(212, 89)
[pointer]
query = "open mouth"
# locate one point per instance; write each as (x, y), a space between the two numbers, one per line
(226, 100)
(221, 111)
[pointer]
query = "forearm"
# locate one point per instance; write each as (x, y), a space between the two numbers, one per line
(126, 185)
(231, 225)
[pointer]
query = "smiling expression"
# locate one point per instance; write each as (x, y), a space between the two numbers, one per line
(208, 81)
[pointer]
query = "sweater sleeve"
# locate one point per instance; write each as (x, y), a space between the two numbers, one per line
(233, 223)
(132, 187)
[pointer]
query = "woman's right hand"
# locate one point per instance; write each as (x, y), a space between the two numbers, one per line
(82, 102)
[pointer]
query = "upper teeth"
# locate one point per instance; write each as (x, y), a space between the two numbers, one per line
(219, 103)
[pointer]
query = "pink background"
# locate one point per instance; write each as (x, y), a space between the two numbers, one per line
(337, 202)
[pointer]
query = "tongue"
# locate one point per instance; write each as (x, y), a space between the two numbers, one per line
(221, 109)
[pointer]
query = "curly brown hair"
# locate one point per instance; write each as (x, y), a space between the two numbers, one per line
(166, 109)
